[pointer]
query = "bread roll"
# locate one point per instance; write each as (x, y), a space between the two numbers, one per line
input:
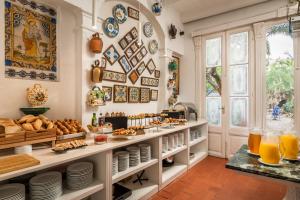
(50, 126)
(31, 119)
(27, 127)
(37, 124)
(24, 118)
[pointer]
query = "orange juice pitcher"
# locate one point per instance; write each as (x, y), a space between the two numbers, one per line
(269, 149)
(289, 145)
(254, 139)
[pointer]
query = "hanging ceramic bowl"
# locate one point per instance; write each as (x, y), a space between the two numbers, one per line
(153, 46)
(148, 29)
(111, 27)
(120, 13)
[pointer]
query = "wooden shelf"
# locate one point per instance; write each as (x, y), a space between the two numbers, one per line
(96, 186)
(170, 173)
(144, 191)
(198, 157)
(173, 152)
(132, 170)
(198, 140)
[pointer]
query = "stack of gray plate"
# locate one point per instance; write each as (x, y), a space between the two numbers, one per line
(79, 175)
(123, 160)
(115, 164)
(145, 152)
(12, 192)
(46, 186)
(134, 156)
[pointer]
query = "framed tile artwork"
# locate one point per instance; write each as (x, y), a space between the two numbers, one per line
(129, 38)
(125, 64)
(134, 61)
(154, 95)
(133, 13)
(134, 46)
(111, 54)
(141, 68)
(157, 74)
(152, 82)
(120, 94)
(129, 52)
(176, 74)
(114, 76)
(133, 77)
(108, 93)
(151, 66)
(144, 95)
(30, 41)
(123, 43)
(134, 33)
(139, 56)
(133, 95)
(144, 51)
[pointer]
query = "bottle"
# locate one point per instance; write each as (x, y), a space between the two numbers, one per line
(94, 120)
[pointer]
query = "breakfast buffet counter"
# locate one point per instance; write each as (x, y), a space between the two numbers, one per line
(101, 156)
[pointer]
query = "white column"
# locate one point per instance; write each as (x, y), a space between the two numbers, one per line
(199, 77)
(260, 62)
(296, 38)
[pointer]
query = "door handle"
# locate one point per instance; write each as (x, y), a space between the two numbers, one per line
(223, 109)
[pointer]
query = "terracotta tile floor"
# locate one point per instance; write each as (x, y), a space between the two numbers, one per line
(210, 180)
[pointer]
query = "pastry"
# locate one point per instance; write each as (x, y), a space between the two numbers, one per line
(50, 125)
(24, 118)
(27, 127)
(37, 124)
(31, 119)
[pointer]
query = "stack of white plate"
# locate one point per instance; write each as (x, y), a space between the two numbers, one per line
(46, 186)
(192, 136)
(176, 140)
(23, 149)
(165, 144)
(134, 156)
(171, 142)
(198, 134)
(181, 139)
(115, 165)
(123, 160)
(13, 191)
(145, 152)
(79, 175)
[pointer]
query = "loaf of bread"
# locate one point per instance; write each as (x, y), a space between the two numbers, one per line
(8, 126)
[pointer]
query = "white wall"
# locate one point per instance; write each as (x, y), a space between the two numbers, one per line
(61, 94)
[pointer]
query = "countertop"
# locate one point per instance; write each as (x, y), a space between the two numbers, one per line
(49, 159)
(242, 161)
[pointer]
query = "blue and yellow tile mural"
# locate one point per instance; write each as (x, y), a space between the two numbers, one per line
(30, 41)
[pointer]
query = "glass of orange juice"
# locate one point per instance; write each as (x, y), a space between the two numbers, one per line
(269, 148)
(254, 139)
(289, 145)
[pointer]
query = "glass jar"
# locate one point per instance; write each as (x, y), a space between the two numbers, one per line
(254, 139)
(289, 145)
(269, 148)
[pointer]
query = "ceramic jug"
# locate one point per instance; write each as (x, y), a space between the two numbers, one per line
(96, 43)
(97, 72)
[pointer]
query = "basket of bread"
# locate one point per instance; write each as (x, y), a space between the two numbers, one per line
(10, 132)
(68, 130)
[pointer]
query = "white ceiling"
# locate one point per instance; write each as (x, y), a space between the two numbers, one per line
(191, 10)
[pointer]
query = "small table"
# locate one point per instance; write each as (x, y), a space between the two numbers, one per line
(288, 174)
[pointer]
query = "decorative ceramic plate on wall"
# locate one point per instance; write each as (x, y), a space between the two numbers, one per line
(153, 46)
(120, 13)
(148, 29)
(111, 27)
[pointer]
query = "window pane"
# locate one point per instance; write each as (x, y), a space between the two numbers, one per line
(213, 111)
(213, 52)
(239, 111)
(239, 80)
(213, 81)
(239, 48)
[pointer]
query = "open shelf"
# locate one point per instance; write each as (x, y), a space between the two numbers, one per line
(170, 173)
(173, 152)
(198, 140)
(132, 170)
(96, 186)
(198, 157)
(144, 191)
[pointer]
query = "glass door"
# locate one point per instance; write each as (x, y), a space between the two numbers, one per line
(227, 88)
